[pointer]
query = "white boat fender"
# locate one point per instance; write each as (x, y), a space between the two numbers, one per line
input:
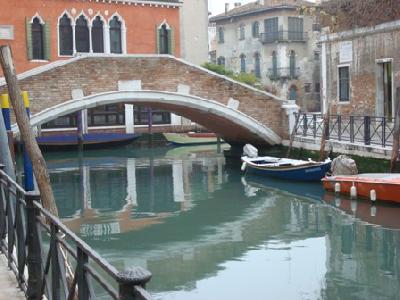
(353, 191)
(244, 165)
(373, 211)
(372, 195)
(337, 187)
(353, 206)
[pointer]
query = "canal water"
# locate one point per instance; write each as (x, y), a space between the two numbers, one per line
(208, 232)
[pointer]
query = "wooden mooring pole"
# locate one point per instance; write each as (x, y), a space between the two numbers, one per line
(27, 135)
(396, 134)
(325, 135)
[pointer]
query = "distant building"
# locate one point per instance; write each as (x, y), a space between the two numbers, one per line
(360, 70)
(274, 42)
(194, 31)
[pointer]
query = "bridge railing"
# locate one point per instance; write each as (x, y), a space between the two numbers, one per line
(49, 260)
(366, 130)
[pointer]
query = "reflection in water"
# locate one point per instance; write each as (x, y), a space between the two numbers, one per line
(206, 232)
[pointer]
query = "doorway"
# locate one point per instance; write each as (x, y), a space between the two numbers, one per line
(384, 88)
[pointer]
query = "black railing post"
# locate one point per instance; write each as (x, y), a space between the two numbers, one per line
(305, 125)
(327, 129)
(3, 223)
(83, 288)
(129, 281)
(34, 257)
(339, 122)
(367, 130)
(352, 129)
(55, 267)
(10, 225)
(20, 228)
(383, 132)
(315, 126)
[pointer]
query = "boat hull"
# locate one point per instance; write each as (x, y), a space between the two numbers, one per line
(385, 191)
(179, 139)
(306, 173)
(90, 141)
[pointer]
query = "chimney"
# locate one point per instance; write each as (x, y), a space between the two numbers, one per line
(226, 7)
(237, 4)
(261, 2)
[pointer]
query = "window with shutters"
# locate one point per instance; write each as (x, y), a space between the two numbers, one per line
(97, 35)
(65, 36)
(242, 32)
(344, 83)
(164, 40)
(115, 35)
(107, 115)
(243, 63)
(271, 29)
(274, 64)
(255, 29)
(221, 35)
(82, 42)
(159, 117)
(257, 65)
(37, 39)
(295, 30)
(292, 62)
(221, 61)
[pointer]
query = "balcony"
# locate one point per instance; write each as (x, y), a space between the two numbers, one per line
(283, 73)
(283, 36)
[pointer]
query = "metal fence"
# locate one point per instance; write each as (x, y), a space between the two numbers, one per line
(366, 130)
(50, 261)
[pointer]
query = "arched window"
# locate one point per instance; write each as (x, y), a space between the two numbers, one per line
(65, 36)
(115, 35)
(243, 63)
(293, 93)
(274, 65)
(97, 35)
(256, 29)
(242, 32)
(257, 65)
(82, 42)
(221, 36)
(292, 62)
(164, 40)
(37, 39)
(221, 61)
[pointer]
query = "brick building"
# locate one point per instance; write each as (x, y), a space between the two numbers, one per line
(43, 31)
(360, 71)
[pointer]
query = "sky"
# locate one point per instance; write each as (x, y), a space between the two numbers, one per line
(218, 6)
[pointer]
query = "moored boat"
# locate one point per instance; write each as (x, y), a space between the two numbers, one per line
(285, 168)
(91, 140)
(191, 138)
(385, 186)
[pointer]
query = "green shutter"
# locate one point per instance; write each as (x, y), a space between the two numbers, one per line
(157, 40)
(47, 41)
(171, 41)
(28, 28)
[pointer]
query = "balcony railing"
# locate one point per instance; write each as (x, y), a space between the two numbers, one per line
(283, 36)
(283, 73)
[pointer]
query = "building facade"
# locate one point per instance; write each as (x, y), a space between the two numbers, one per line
(194, 31)
(360, 73)
(40, 32)
(272, 40)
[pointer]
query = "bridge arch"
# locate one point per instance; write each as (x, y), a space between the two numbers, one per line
(232, 125)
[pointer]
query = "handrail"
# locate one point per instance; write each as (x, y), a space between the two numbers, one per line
(22, 222)
(355, 129)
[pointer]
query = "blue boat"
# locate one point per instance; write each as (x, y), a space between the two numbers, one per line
(285, 168)
(90, 141)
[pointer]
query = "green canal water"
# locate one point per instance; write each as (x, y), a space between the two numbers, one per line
(207, 232)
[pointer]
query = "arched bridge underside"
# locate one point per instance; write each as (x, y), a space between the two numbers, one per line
(236, 112)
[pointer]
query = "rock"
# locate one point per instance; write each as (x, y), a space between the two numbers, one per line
(344, 165)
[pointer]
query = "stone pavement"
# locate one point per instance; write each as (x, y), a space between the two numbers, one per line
(8, 284)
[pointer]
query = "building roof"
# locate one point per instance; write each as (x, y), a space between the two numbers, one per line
(259, 7)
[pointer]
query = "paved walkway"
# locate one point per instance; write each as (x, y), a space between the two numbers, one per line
(8, 284)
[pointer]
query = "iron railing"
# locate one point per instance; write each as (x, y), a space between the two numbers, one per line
(50, 261)
(366, 130)
(283, 36)
(283, 73)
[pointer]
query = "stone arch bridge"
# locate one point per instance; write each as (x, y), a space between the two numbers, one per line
(236, 112)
